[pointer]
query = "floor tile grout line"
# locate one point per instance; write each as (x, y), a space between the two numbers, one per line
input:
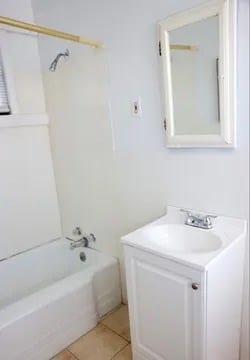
(100, 322)
(124, 347)
(117, 308)
(123, 337)
(89, 331)
(128, 342)
(72, 354)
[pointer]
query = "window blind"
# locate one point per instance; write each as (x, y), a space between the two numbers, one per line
(4, 103)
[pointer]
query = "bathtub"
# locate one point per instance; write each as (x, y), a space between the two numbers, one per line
(49, 298)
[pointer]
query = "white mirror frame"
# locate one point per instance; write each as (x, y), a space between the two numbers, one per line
(226, 10)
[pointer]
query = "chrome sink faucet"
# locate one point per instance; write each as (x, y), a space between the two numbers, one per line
(198, 220)
(83, 241)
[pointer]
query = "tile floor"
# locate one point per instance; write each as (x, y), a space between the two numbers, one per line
(110, 339)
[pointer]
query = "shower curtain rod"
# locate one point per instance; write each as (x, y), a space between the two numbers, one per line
(47, 31)
(183, 47)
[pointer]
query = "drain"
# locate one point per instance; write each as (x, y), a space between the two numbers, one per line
(82, 256)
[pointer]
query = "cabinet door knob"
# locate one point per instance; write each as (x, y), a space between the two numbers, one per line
(195, 286)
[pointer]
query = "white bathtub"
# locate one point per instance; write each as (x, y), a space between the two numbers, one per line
(49, 298)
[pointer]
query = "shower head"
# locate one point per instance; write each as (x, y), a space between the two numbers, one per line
(54, 63)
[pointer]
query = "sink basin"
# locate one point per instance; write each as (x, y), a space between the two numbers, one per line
(170, 238)
(182, 238)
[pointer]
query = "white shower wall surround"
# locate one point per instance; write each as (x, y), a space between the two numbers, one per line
(28, 208)
(49, 298)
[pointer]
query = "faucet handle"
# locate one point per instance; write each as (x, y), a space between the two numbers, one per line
(207, 220)
(212, 216)
(209, 217)
(188, 212)
(77, 231)
(92, 237)
(87, 239)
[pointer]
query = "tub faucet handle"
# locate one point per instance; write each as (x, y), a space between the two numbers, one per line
(92, 237)
(77, 231)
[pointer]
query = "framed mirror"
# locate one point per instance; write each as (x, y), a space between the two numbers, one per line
(197, 49)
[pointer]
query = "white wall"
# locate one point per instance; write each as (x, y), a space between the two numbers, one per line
(28, 207)
(210, 180)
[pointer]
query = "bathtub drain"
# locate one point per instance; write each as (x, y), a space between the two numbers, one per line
(82, 256)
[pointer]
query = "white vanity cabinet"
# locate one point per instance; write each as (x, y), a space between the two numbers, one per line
(180, 309)
(166, 313)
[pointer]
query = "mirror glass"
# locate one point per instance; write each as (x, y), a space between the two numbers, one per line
(194, 58)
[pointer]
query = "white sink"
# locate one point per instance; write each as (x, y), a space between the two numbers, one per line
(170, 238)
(182, 238)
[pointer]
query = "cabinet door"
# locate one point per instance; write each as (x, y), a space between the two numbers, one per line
(165, 311)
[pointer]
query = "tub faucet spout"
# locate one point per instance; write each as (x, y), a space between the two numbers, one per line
(83, 242)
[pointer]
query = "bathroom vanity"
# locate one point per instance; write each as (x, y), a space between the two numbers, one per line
(185, 288)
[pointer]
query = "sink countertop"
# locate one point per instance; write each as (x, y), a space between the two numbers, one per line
(229, 230)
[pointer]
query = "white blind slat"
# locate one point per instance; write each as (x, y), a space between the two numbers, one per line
(4, 102)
